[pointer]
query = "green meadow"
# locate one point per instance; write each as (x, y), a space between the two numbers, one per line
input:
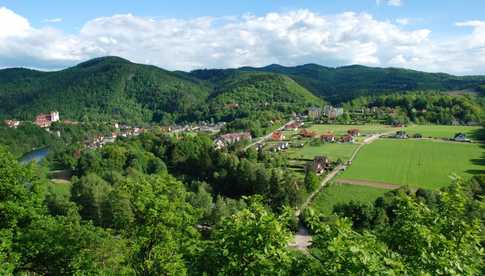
(417, 163)
(334, 151)
(342, 193)
(342, 129)
(438, 131)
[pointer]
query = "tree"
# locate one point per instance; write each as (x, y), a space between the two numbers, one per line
(251, 242)
(342, 251)
(442, 240)
(162, 232)
(311, 180)
(90, 193)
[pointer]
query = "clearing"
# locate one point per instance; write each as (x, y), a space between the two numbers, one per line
(417, 163)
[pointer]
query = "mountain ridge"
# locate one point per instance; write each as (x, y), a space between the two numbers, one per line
(115, 88)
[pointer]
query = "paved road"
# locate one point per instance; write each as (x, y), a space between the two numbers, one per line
(267, 136)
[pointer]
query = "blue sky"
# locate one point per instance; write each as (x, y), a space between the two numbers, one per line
(409, 33)
(437, 15)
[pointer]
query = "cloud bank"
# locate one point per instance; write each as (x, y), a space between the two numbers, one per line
(288, 38)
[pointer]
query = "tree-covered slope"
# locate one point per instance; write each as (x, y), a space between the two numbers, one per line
(103, 88)
(255, 89)
(345, 83)
(112, 88)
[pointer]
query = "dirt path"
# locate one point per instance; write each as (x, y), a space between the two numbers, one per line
(302, 239)
(324, 182)
(335, 171)
(369, 183)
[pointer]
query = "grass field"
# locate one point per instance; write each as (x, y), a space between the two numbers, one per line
(342, 129)
(417, 163)
(341, 193)
(334, 151)
(437, 131)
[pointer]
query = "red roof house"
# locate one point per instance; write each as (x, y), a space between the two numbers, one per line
(45, 120)
(328, 137)
(277, 136)
(347, 139)
(307, 133)
(354, 132)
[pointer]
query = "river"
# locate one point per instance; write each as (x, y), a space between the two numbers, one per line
(35, 155)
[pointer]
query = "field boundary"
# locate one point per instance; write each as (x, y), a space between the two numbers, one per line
(368, 183)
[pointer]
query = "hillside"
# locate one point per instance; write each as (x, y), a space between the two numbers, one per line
(254, 91)
(345, 83)
(104, 88)
(113, 88)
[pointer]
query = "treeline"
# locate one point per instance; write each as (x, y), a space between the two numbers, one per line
(342, 84)
(424, 107)
(147, 224)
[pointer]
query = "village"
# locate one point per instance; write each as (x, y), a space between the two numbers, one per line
(46, 121)
(303, 132)
(309, 132)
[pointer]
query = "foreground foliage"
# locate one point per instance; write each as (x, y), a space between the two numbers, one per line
(157, 206)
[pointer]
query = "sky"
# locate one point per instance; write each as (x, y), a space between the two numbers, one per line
(433, 36)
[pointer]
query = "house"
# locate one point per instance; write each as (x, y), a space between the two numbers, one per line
(398, 124)
(354, 132)
(319, 164)
(277, 136)
(281, 146)
(219, 143)
(332, 112)
(307, 133)
(461, 137)
(12, 123)
(401, 134)
(328, 137)
(45, 120)
(231, 138)
(347, 139)
(314, 113)
(293, 126)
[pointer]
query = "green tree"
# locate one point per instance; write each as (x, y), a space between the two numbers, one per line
(251, 242)
(342, 251)
(311, 180)
(90, 193)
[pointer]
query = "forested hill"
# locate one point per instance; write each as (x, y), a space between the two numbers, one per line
(103, 88)
(345, 83)
(112, 88)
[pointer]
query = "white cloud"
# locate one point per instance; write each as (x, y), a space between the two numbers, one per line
(53, 20)
(289, 38)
